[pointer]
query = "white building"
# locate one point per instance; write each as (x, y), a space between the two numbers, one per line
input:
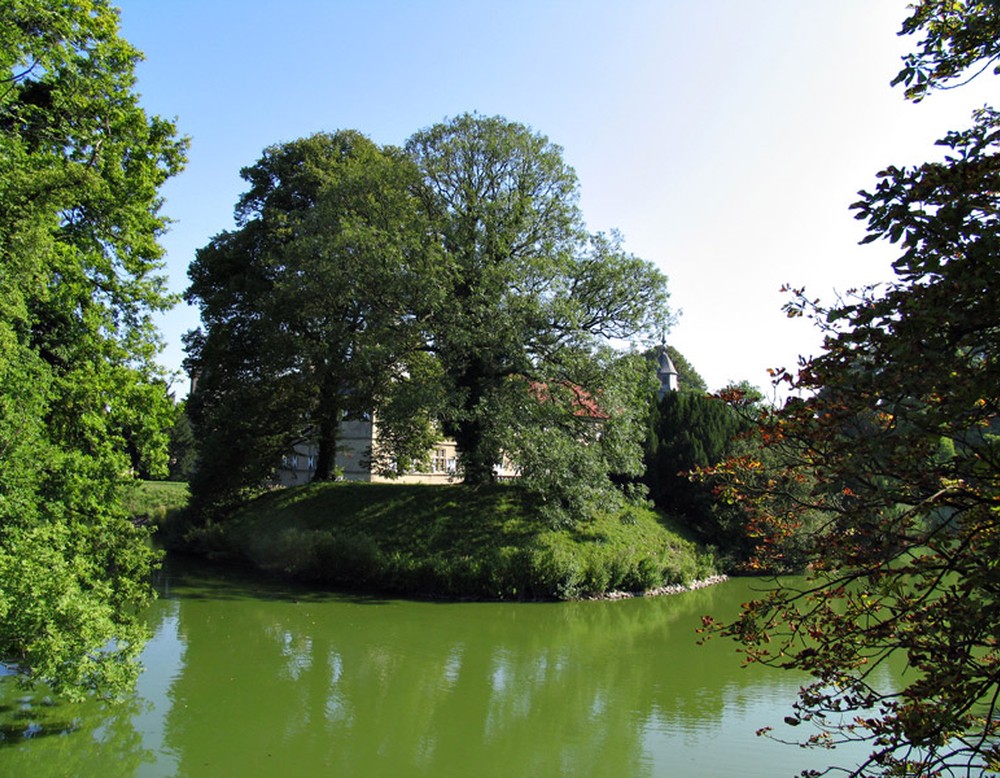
(358, 438)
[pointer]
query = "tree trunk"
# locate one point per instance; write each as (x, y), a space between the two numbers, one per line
(476, 450)
(326, 456)
(328, 427)
(476, 460)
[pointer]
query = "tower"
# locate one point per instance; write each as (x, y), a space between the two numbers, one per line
(666, 372)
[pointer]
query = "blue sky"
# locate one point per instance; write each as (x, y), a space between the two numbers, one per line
(725, 139)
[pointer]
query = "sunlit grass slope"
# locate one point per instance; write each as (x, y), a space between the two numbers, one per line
(153, 501)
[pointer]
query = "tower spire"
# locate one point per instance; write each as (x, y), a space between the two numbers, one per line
(665, 371)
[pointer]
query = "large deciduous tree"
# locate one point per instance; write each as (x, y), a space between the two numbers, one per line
(449, 286)
(530, 305)
(309, 308)
(897, 439)
(80, 168)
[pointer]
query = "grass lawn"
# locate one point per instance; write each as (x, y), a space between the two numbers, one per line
(151, 502)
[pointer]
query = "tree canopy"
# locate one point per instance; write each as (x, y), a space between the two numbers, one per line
(692, 430)
(310, 308)
(895, 441)
(450, 286)
(80, 396)
(531, 301)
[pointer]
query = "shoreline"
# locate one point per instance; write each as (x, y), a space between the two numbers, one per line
(661, 591)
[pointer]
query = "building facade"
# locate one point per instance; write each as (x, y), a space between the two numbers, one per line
(358, 438)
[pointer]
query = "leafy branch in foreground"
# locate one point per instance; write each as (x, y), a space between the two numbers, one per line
(896, 434)
(81, 398)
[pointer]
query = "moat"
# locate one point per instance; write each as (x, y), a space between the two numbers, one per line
(253, 678)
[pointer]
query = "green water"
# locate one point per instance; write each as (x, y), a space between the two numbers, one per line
(250, 678)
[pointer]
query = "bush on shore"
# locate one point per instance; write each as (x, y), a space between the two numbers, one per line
(448, 541)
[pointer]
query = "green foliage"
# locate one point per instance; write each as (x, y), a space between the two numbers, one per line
(531, 299)
(182, 449)
(408, 425)
(442, 290)
(957, 38)
(310, 309)
(892, 442)
(145, 427)
(704, 454)
(454, 541)
(80, 397)
(571, 453)
(694, 431)
(152, 502)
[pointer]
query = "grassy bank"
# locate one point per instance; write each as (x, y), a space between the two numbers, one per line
(450, 541)
(154, 502)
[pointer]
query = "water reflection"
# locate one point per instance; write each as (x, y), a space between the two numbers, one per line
(250, 678)
(41, 737)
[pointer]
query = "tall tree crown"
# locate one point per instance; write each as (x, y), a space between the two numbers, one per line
(81, 164)
(499, 191)
(310, 307)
